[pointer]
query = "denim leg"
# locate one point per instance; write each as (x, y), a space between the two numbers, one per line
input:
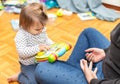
(59, 73)
(89, 38)
(27, 75)
(70, 72)
(99, 74)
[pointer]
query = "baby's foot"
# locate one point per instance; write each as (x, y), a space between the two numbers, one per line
(13, 78)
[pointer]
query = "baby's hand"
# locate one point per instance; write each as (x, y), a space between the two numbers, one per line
(44, 47)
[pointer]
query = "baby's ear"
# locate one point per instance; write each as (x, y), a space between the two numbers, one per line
(115, 36)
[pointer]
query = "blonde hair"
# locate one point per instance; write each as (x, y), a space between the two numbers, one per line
(31, 12)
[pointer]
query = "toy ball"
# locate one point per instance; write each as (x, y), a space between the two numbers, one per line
(51, 4)
(59, 13)
(52, 58)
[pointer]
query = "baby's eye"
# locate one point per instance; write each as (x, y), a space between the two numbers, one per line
(37, 29)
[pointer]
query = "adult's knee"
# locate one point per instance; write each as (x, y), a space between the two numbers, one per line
(90, 32)
(90, 29)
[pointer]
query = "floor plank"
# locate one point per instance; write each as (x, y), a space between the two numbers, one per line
(63, 29)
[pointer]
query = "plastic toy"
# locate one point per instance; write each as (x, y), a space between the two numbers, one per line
(1, 6)
(59, 12)
(56, 50)
(50, 3)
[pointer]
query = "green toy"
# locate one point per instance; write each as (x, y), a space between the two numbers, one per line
(56, 50)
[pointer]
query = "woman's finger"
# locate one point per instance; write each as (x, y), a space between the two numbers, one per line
(89, 50)
(85, 64)
(90, 57)
(90, 65)
(95, 71)
(82, 64)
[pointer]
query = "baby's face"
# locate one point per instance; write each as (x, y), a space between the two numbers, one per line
(36, 28)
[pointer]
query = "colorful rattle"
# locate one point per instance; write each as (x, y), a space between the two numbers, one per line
(56, 50)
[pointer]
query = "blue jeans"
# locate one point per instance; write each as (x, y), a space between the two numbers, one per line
(70, 72)
(27, 75)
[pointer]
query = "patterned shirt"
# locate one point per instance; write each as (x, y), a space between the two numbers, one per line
(28, 45)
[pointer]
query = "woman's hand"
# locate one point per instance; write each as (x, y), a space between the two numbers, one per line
(95, 54)
(44, 47)
(89, 74)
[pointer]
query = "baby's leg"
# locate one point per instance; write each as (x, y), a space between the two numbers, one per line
(13, 78)
(27, 75)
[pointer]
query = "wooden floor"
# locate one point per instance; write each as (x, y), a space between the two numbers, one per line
(63, 29)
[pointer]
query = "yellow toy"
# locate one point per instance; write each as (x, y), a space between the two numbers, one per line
(59, 13)
(56, 50)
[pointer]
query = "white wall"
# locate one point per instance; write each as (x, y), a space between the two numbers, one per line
(112, 2)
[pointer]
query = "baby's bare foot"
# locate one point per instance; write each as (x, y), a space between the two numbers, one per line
(13, 78)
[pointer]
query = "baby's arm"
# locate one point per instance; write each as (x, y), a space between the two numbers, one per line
(23, 49)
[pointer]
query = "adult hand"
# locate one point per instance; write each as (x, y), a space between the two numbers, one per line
(89, 74)
(95, 54)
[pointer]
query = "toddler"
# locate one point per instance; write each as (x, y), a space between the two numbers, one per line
(29, 40)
